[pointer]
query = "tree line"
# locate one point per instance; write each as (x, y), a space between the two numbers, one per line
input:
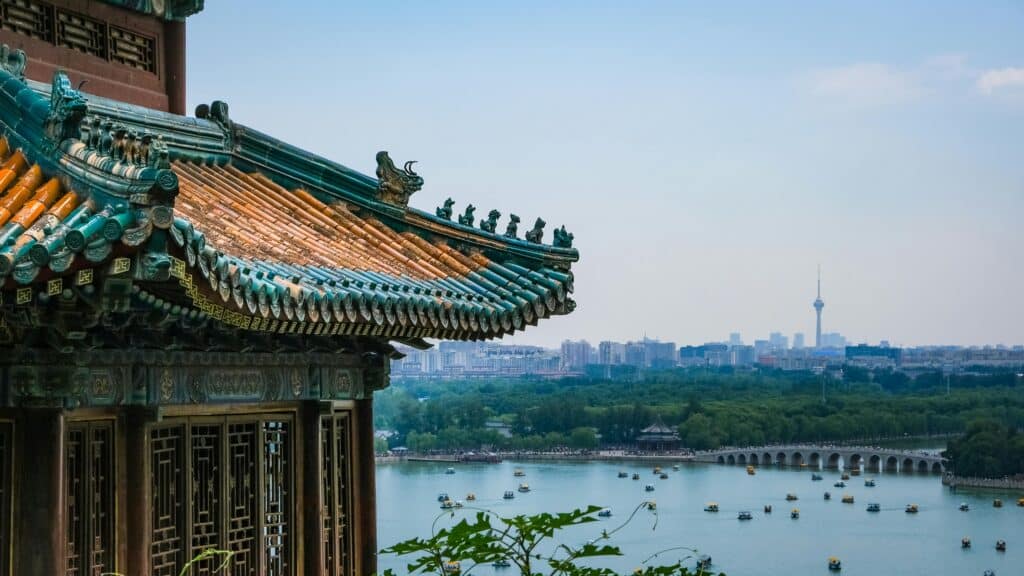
(709, 409)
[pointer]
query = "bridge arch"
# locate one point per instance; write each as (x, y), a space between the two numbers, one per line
(780, 458)
(730, 459)
(936, 467)
(741, 459)
(907, 465)
(855, 461)
(922, 466)
(874, 463)
(767, 460)
(796, 459)
(721, 459)
(892, 464)
(753, 460)
(833, 460)
(815, 460)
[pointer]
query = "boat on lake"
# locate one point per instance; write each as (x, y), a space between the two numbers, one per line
(652, 505)
(636, 475)
(847, 499)
(606, 513)
(623, 474)
(452, 567)
(767, 508)
(649, 488)
(509, 495)
(855, 472)
(828, 495)
(869, 482)
(663, 476)
(519, 473)
(745, 515)
(676, 467)
(450, 470)
(524, 487)
(815, 477)
(794, 513)
(1020, 502)
(1001, 545)
(965, 542)
(442, 497)
(964, 507)
(791, 497)
(711, 507)
(447, 505)
(834, 564)
(704, 562)
(840, 484)
(501, 563)
(997, 503)
(657, 469)
(470, 497)
(845, 476)
(751, 471)
(911, 509)
(874, 507)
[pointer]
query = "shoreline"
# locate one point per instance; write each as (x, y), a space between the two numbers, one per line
(955, 482)
(605, 456)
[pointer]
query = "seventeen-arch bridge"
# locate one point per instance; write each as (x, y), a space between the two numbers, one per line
(818, 457)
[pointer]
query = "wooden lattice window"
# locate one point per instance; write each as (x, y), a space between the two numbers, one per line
(28, 17)
(89, 498)
(6, 494)
(132, 49)
(336, 494)
(238, 494)
(81, 33)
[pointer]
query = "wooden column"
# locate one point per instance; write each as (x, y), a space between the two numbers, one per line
(312, 506)
(136, 491)
(365, 488)
(39, 509)
(174, 66)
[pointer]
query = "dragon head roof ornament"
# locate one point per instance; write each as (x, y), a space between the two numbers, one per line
(67, 109)
(396, 185)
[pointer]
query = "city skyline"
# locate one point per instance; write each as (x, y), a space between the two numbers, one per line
(704, 158)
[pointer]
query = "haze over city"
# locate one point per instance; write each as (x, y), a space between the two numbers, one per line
(707, 157)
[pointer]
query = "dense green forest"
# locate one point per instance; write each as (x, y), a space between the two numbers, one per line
(988, 449)
(710, 409)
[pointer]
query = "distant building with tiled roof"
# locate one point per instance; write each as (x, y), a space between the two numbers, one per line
(194, 315)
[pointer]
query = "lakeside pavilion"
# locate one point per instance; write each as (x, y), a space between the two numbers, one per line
(194, 316)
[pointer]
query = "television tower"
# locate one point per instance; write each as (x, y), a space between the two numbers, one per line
(818, 305)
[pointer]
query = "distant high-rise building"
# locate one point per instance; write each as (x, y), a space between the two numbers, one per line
(818, 305)
(735, 340)
(777, 341)
(798, 341)
(576, 355)
(611, 353)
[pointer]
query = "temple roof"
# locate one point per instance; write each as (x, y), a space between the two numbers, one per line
(210, 219)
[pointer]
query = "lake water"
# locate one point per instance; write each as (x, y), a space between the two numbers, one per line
(886, 542)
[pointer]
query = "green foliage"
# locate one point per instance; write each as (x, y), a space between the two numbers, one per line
(988, 450)
(222, 565)
(525, 542)
(710, 409)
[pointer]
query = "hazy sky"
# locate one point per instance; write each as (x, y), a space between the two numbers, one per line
(707, 156)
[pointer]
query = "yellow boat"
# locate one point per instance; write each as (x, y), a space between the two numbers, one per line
(751, 471)
(855, 472)
(652, 505)
(453, 567)
(711, 507)
(911, 509)
(657, 469)
(1020, 502)
(847, 499)
(795, 513)
(524, 487)
(845, 476)
(834, 564)
(470, 497)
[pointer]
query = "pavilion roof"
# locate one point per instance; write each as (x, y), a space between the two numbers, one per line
(211, 219)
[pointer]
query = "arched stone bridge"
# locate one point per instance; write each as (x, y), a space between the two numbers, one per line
(828, 457)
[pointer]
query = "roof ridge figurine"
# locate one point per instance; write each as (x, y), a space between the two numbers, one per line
(396, 185)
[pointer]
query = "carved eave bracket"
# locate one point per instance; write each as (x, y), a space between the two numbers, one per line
(396, 185)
